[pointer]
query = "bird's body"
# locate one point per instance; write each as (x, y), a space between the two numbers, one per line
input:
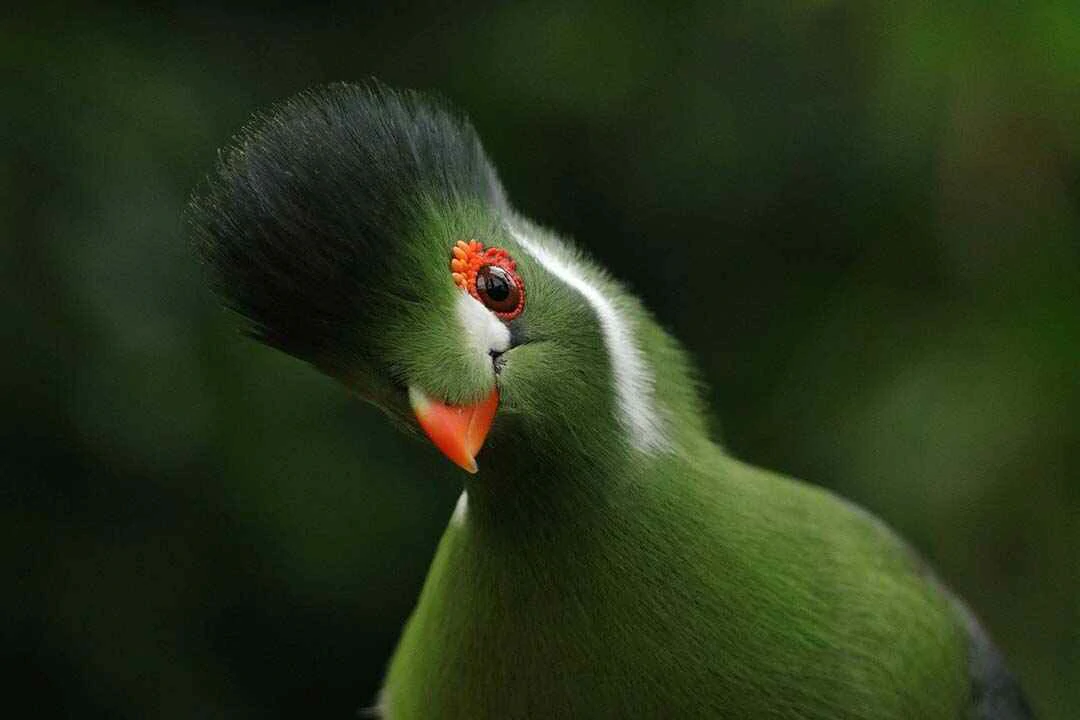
(609, 559)
(714, 590)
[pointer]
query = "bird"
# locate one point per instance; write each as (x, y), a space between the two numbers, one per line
(607, 558)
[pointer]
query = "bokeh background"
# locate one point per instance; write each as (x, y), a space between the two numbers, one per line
(861, 217)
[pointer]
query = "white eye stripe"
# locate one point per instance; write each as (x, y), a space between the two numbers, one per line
(632, 377)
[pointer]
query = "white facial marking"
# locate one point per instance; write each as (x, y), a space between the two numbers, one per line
(633, 379)
(484, 332)
(462, 507)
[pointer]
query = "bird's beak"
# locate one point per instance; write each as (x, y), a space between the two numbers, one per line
(457, 430)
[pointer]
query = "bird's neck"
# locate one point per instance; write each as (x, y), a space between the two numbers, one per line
(515, 491)
(519, 493)
(562, 477)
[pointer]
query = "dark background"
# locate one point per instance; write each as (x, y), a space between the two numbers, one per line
(861, 217)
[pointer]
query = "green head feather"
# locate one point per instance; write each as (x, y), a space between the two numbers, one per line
(329, 226)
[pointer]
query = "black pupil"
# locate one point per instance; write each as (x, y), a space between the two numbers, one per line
(493, 283)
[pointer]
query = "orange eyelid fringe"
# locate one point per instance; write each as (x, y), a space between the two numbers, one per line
(468, 256)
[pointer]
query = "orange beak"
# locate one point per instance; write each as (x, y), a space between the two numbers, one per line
(457, 430)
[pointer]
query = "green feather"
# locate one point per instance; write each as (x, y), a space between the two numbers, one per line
(680, 589)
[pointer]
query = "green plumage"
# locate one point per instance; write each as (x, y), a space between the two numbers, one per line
(709, 591)
(588, 576)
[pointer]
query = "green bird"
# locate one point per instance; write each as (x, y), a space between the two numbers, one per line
(608, 560)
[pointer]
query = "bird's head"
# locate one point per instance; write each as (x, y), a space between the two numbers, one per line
(365, 231)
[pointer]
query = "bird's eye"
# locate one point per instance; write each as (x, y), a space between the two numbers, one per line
(490, 276)
(497, 289)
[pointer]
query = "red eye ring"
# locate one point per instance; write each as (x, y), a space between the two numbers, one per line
(500, 288)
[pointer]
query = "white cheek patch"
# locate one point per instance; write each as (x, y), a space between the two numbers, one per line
(632, 376)
(483, 331)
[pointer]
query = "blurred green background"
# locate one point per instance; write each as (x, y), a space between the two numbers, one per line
(861, 218)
